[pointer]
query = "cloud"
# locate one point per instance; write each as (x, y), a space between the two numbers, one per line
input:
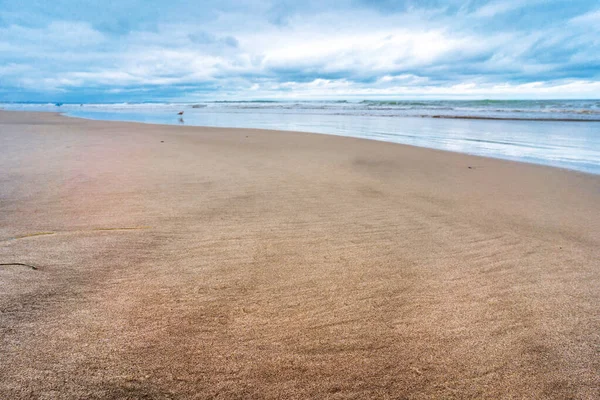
(591, 18)
(322, 88)
(115, 51)
(498, 7)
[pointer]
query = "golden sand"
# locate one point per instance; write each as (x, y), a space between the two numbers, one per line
(288, 265)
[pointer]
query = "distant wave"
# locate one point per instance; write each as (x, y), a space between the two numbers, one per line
(529, 110)
(243, 101)
(560, 119)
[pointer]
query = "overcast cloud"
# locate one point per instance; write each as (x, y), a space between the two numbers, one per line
(143, 50)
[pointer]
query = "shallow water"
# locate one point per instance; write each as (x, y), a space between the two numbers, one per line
(567, 144)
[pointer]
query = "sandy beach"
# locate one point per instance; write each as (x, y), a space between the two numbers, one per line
(195, 263)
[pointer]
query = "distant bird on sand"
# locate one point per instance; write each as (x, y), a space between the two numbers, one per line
(180, 113)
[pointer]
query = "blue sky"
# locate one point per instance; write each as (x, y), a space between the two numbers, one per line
(176, 50)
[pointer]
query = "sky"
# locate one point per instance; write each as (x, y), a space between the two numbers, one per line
(183, 50)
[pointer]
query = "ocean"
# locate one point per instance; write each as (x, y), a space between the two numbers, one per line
(559, 133)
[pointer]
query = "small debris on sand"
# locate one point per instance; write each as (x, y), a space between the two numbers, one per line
(21, 264)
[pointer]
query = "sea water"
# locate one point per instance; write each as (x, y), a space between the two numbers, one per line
(560, 133)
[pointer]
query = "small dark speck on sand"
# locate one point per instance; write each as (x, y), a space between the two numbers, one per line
(162, 141)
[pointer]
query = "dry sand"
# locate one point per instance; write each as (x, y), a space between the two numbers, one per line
(230, 263)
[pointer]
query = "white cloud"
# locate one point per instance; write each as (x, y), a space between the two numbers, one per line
(342, 52)
(343, 88)
(591, 18)
(500, 7)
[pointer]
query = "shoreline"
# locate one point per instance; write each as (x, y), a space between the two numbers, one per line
(66, 115)
(189, 262)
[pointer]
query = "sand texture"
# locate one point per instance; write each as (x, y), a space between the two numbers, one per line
(195, 263)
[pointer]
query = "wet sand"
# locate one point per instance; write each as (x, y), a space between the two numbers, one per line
(185, 262)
